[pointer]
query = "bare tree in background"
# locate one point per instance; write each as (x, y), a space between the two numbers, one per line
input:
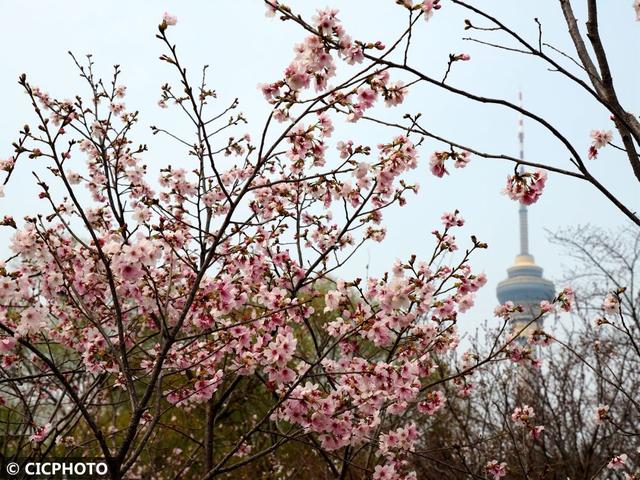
(585, 394)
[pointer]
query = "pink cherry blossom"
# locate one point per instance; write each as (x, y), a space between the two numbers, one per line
(436, 164)
(117, 108)
(601, 138)
(434, 402)
(539, 337)
(428, 7)
(611, 304)
(617, 462)
(326, 20)
(271, 91)
(566, 298)
(7, 344)
(536, 431)
(385, 472)
(546, 306)
(270, 9)
(465, 390)
(504, 310)
(332, 300)
(395, 94)
(169, 19)
(447, 242)
(452, 219)
(462, 159)
(438, 159)
(495, 469)
(244, 450)
(465, 302)
(7, 165)
(40, 433)
(527, 187)
(402, 438)
(73, 178)
(351, 51)
(462, 56)
(345, 149)
(360, 172)
(204, 389)
(297, 78)
(366, 96)
(31, 320)
(522, 415)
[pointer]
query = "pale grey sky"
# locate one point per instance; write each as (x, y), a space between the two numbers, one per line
(244, 48)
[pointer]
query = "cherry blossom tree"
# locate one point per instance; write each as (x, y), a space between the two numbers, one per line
(213, 293)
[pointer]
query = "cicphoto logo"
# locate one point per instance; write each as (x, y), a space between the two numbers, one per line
(55, 469)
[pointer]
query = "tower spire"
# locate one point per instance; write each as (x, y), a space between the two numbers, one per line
(524, 223)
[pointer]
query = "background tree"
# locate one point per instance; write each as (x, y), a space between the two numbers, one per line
(583, 394)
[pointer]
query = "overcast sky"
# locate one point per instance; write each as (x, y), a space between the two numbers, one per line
(244, 48)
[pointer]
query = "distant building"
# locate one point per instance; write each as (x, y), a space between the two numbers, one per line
(525, 284)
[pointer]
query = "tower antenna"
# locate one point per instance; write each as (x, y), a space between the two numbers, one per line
(524, 220)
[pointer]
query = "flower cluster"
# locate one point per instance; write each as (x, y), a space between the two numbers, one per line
(566, 299)
(315, 64)
(617, 462)
(496, 470)
(427, 7)
(401, 439)
(523, 417)
(452, 219)
(526, 187)
(539, 337)
(611, 304)
(169, 19)
(40, 433)
(506, 310)
(314, 60)
(437, 161)
(600, 139)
